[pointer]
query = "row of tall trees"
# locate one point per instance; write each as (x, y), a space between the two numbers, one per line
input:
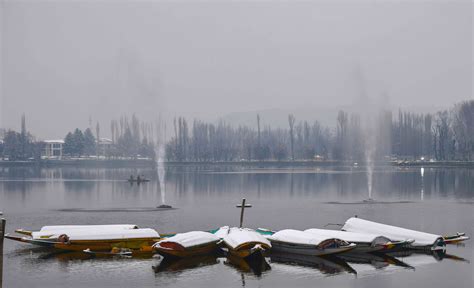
(222, 142)
(19, 146)
(130, 138)
(445, 135)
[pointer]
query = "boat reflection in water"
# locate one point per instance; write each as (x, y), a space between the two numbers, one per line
(252, 265)
(328, 265)
(168, 264)
(340, 264)
(376, 260)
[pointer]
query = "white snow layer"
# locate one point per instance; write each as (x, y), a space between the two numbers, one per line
(349, 236)
(234, 237)
(95, 234)
(72, 227)
(190, 239)
(298, 237)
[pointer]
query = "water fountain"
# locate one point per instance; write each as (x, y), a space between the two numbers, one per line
(160, 153)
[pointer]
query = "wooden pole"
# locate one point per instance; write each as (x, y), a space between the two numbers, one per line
(241, 213)
(243, 206)
(2, 234)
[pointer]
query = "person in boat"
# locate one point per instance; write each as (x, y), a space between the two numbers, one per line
(138, 178)
(131, 178)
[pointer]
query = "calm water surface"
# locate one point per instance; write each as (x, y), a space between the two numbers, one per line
(441, 201)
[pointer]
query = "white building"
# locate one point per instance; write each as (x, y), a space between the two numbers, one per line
(53, 149)
(104, 145)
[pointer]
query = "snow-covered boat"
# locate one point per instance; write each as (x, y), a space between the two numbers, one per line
(305, 243)
(421, 240)
(243, 242)
(365, 242)
(194, 243)
(106, 239)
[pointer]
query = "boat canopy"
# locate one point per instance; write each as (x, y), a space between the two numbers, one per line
(190, 239)
(71, 227)
(95, 234)
(235, 237)
(301, 237)
(394, 233)
(353, 237)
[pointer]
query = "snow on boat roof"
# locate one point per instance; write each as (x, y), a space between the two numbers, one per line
(190, 239)
(71, 227)
(348, 236)
(298, 237)
(394, 233)
(234, 237)
(105, 234)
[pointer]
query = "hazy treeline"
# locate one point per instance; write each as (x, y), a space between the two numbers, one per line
(445, 135)
(381, 135)
(131, 138)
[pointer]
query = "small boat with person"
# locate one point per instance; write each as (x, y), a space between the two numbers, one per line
(139, 179)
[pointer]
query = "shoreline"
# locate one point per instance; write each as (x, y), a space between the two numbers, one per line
(149, 163)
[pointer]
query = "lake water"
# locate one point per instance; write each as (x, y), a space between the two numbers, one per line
(441, 201)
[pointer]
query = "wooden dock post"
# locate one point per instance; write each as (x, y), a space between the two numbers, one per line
(3, 224)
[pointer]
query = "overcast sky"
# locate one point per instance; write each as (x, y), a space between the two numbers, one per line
(65, 62)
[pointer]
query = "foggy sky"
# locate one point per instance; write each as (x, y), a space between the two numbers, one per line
(64, 63)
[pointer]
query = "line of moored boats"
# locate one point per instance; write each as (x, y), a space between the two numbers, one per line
(356, 235)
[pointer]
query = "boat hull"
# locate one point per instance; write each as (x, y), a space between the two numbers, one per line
(248, 250)
(310, 250)
(138, 244)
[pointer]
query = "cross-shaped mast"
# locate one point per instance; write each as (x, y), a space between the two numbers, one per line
(243, 206)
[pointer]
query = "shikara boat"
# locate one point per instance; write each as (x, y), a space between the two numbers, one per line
(365, 242)
(304, 243)
(421, 240)
(243, 242)
(105, 239)
(194, 243)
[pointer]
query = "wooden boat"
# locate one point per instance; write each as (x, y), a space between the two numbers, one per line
(365, 242)
(421, 240)
(194, 243)
(243, 242)
(299, 242)
(134, 180)
(137, 240)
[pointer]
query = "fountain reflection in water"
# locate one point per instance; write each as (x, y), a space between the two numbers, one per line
(161, 175)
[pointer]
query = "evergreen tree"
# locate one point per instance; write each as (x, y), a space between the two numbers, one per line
(89, 142)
